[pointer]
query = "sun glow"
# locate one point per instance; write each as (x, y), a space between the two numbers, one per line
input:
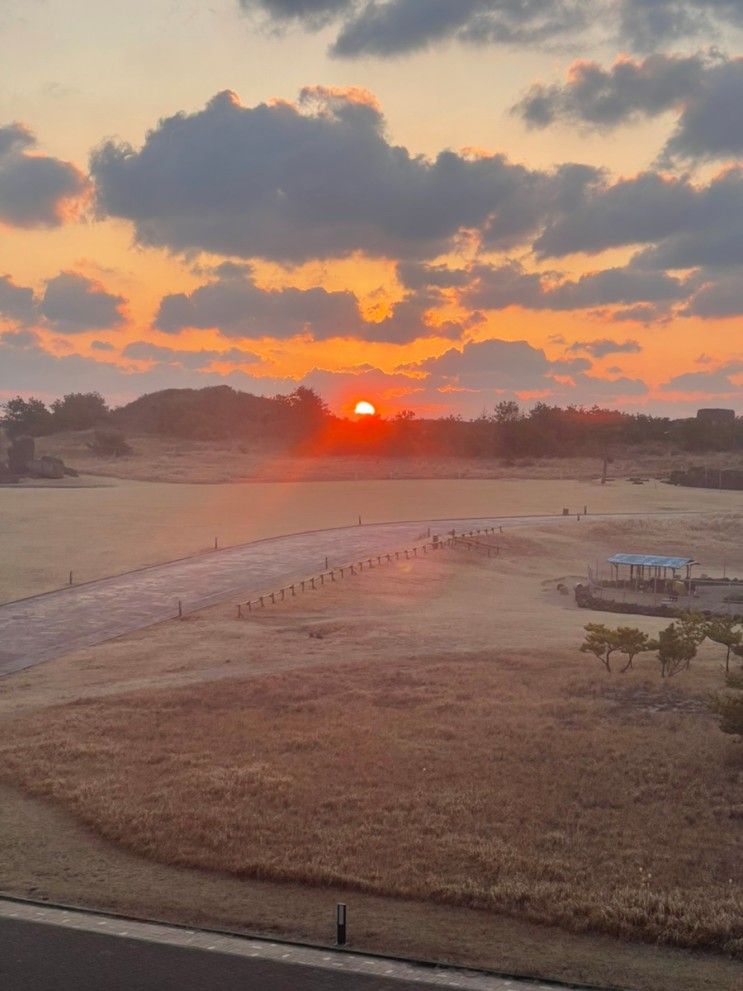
(363, 408)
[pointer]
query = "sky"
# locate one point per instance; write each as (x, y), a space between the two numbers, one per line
(433, 205)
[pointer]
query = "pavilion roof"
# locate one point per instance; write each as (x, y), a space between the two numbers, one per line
(652, 560)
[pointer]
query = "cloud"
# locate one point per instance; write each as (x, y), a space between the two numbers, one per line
(35, 190)
(645, 24)
(600, 348)
(415, 275)
(16, 302)
(716, 382)
(496, 287)
(235, 305)
(20, 339)
(607, 97)
(31, 370)
(315, 180)
(73, 303)
(686, 224)
(314, 14)
(645, 313)
(718, 298)
(147, 351)
(704, 90)
(387, 28)
(499, 365)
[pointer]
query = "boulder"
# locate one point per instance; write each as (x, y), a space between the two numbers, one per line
(20, 452)
(46, 467)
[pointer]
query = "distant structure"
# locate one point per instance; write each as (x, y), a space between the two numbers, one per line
(717, 417)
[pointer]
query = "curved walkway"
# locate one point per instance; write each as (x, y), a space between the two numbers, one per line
(46, 626)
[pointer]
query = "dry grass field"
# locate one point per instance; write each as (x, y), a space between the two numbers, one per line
(428, 732)
(93, 531)
(166, 459)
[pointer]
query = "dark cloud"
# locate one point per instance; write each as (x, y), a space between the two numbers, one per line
(718, 381)
(237, 307)
(321, 180)
(386, 28)
(313, 181)
(510, 366)
(718, 298)
(409, 321)
(35, 190)
(607, 97)
(494, 288)
(645, 209)
(33, 371)
(415, 275)
(646, 313)
(706, 231)
(706, 91)
(645, 24)
(17, 303)
(600, 348)
(72, 303)
(313, 13)
(147, 351)
(20, 338)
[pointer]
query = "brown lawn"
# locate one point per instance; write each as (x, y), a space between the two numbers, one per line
(427, 731)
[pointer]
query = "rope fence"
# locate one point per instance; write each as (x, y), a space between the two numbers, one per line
(340, 572)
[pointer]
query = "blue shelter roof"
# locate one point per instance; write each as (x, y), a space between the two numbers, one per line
(652, 560)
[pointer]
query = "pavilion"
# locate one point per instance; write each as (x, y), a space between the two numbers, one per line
(651, 572)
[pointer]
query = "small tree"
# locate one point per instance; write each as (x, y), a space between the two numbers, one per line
(79, 410)
(26, 416)
(601, 642)
(729, 706)
(631, 642)
(676, 650)
(725, 631)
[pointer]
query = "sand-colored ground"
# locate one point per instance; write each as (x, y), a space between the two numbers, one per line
(98, 531)
(639, 780)
(165, 459)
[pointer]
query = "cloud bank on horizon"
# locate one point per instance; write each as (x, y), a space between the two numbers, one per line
(486, 261)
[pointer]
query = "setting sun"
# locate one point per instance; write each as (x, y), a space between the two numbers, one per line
(364, 408)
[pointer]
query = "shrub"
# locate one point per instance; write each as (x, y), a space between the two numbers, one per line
(110, 442)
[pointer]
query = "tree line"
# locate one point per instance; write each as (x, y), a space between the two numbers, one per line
(302, 420)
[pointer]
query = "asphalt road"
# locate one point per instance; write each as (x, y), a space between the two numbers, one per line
(36, 957)
(45, 948)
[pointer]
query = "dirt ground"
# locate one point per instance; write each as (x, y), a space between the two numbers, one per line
(496, 624)
(102, 529)
(163, 459)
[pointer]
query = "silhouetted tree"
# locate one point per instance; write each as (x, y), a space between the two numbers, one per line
(26, 416)
(79, 411)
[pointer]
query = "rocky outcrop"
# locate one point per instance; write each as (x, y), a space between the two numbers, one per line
(22, 463)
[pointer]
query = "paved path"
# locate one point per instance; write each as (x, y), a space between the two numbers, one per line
(50, 949)
(46, 626)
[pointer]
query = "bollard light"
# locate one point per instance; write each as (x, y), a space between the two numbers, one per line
(340, 924)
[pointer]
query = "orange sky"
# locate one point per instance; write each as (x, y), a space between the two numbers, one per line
(110, 73)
